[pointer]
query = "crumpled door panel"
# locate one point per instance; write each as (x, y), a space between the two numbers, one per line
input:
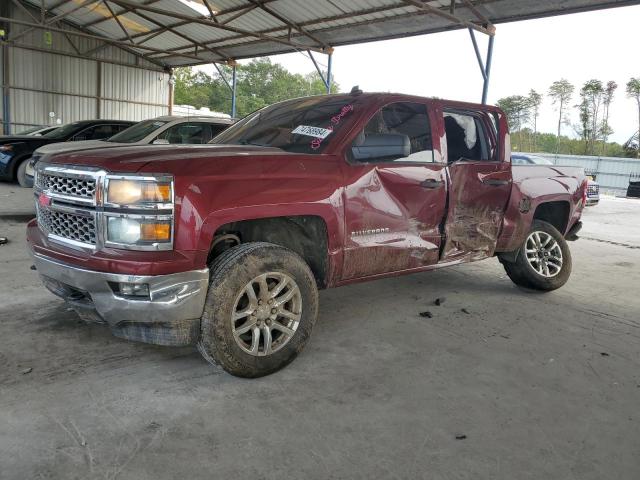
(476, 209)
(392, 221)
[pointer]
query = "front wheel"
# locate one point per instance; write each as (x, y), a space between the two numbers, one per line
(21, 174)
(260, 309)
(544, 260)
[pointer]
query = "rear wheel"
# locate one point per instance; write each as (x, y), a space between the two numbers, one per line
(260, 309)
(544, 260)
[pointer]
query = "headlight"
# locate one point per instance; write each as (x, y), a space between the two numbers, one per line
(139, 212)
(128, 230)
(135, 192)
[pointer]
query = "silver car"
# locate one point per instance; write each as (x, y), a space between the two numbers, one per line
(158, 131)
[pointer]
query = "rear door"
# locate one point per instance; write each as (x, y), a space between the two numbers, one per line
(395, 193)
(479, 185)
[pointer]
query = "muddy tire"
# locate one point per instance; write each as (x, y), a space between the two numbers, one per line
(260, 309)
(544, 260)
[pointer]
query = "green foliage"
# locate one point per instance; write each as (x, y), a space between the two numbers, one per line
(633, 91)
(517, 109)
(526, 141)
(259, 83)
(593, 127)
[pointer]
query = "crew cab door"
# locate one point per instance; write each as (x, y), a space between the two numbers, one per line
(395, 193)
(479, 185)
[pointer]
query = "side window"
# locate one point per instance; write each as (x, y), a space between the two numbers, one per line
(216, 129)
(185, 133)
(98, 132)
(466, 137)
(86, 134)
(398, 132)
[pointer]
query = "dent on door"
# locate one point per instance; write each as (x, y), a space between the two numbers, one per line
(476, 210)
(392, 221)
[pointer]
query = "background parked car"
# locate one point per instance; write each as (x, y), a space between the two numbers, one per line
(162, 130)
(38, 131)
(16, 150)
(593, 187)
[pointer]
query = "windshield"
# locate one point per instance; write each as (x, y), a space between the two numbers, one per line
(303, 125)
(30, 130)
(64, 131)
(137, 132)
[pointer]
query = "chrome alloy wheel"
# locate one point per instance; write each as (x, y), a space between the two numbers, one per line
(543, 254)
(266, 313)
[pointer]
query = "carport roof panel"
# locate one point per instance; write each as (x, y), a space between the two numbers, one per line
(189, 32)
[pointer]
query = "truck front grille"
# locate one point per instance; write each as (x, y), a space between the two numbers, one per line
(68, 186)
(593, 190)
(78, 228)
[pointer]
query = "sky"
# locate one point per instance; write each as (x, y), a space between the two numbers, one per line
(530, 54)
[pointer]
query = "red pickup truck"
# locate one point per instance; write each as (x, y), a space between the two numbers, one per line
(226, 245)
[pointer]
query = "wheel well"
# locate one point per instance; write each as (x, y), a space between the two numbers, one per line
(555, 213)
(305, 235)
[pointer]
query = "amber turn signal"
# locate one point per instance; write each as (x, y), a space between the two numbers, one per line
(155, 232)
(129, 192)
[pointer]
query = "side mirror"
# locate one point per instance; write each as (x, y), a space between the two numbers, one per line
(160, 141)
(379, 146)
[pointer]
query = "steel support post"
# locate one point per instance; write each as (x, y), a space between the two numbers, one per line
(233, 91)
(485, 66)
(6, 110)
(487, 69)
(329, 61)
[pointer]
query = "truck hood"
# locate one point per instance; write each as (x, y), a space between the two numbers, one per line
(73, 146)
(159, 158)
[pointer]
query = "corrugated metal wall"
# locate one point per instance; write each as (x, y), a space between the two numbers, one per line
(46, 77)
(611, 173)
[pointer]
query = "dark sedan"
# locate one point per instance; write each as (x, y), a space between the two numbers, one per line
(16, 150)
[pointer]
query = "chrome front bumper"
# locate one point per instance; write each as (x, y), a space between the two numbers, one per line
(171, 315)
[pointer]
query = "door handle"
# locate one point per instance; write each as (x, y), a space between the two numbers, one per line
(495, 183)
(431, 183)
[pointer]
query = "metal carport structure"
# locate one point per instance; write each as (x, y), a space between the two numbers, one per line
(163, 34)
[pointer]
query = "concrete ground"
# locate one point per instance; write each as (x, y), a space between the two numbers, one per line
(523, 386)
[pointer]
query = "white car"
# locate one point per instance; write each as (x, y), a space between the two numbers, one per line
(158, 131)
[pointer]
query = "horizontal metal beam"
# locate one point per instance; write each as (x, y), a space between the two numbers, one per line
(83, 57)
(82, 95)
(452, 18)
(210, 23)
(116, 43)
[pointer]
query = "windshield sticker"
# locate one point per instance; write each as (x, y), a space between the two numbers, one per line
(316, 132)
(335, 121)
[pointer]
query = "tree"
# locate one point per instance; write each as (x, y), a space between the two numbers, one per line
(605, 128)
(591, 95)
(561, 92)
(259, 83)
(633, 91)
(516, 107)
(534, 100)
